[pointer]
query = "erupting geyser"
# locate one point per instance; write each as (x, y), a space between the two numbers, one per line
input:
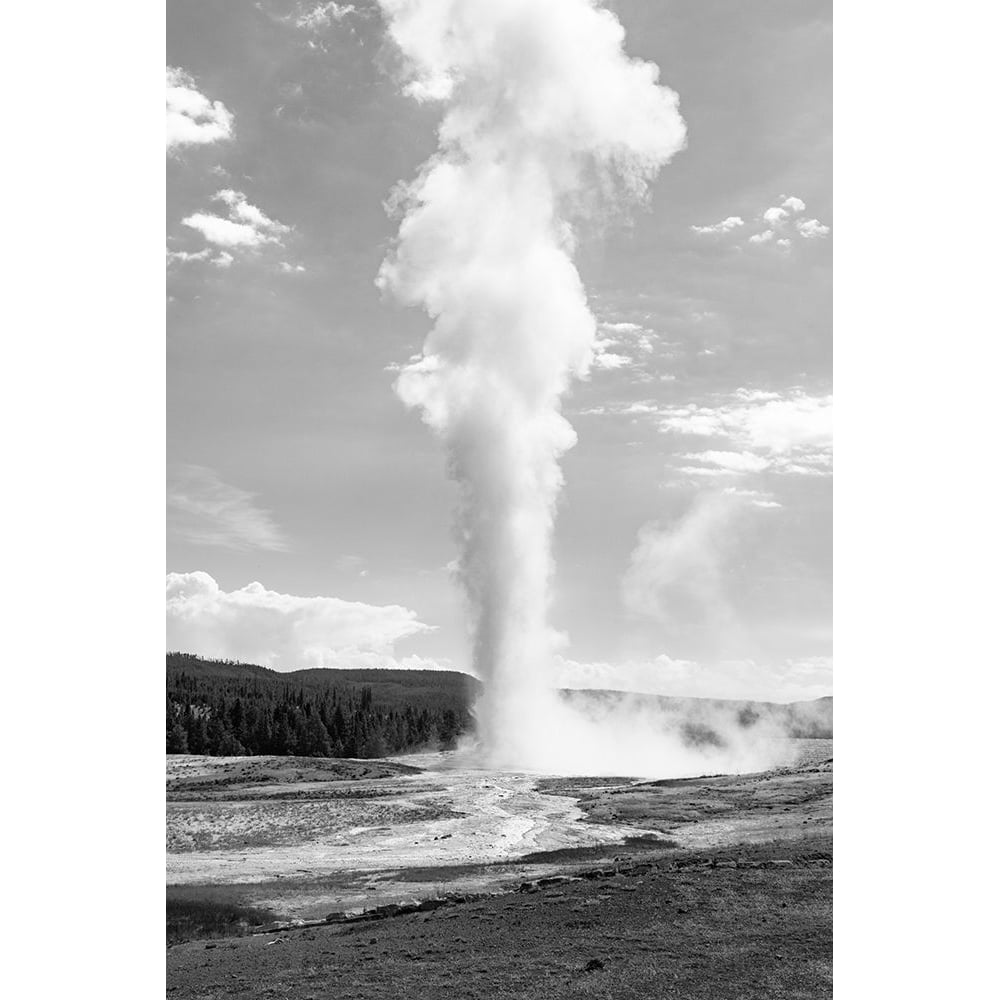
(547, 123)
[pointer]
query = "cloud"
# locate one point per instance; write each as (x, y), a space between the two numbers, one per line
(780, 225)
(725, 226)
(220, 259)
(321, 16)
(203, 509)
(755, 498)
(247, 226)
(607, 359)
(812, 229)
(788, 680)
(778, 218)
(675, 570)
(734, 461)
(193, 119)
(791, 433)
(632, 343)
(283, 631)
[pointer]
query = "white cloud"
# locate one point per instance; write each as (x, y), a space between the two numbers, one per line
(291, 268)
(675, 570)
(812, 229)
(756, 498)
(607, 359)
(622, 327)
(224, 232)
(778, 219)
(203, 509)
(776, 424)
(790, 434)
(631, 342)
(193, 119)
(779, 228)
(322, 15)
(221, 259)
(283, 631)
(725, 226)
(247, 226)
(734, 461)
(789, 680)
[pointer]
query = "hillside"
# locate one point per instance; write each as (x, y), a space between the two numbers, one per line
(230, 708)
(221, 707)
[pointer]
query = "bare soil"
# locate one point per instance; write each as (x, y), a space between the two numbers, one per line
(741, 907)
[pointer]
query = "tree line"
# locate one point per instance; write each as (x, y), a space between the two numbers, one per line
(229, 712)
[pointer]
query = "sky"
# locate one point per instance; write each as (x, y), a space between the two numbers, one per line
(309, 513)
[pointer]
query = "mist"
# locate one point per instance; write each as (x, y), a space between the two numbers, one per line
(549, 132)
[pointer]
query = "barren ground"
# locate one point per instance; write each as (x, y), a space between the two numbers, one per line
(732, 900)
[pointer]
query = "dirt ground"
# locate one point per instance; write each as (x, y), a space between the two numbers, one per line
(741, 907)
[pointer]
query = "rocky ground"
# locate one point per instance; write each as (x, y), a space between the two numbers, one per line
(735, 900)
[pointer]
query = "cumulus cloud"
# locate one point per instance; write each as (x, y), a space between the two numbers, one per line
(203, 509)
(247, 226)
(622, 345)
(725, 226)
(812, 229)
(788, 680)
(284, 631)
(608, 359)
(780, 225)
(193, 119)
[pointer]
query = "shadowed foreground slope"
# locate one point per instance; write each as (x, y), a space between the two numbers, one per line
(741, 923)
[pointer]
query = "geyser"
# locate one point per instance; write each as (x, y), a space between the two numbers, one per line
(547, 125)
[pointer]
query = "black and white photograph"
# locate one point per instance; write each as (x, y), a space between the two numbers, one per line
(499, 424)
(465, 369)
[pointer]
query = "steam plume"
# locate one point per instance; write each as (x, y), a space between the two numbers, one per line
(548, 125)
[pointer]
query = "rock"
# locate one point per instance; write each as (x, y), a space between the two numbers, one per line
(556, 880)
(430, 904)
(594, 965)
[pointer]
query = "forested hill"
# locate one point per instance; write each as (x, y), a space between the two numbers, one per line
(222, 707)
